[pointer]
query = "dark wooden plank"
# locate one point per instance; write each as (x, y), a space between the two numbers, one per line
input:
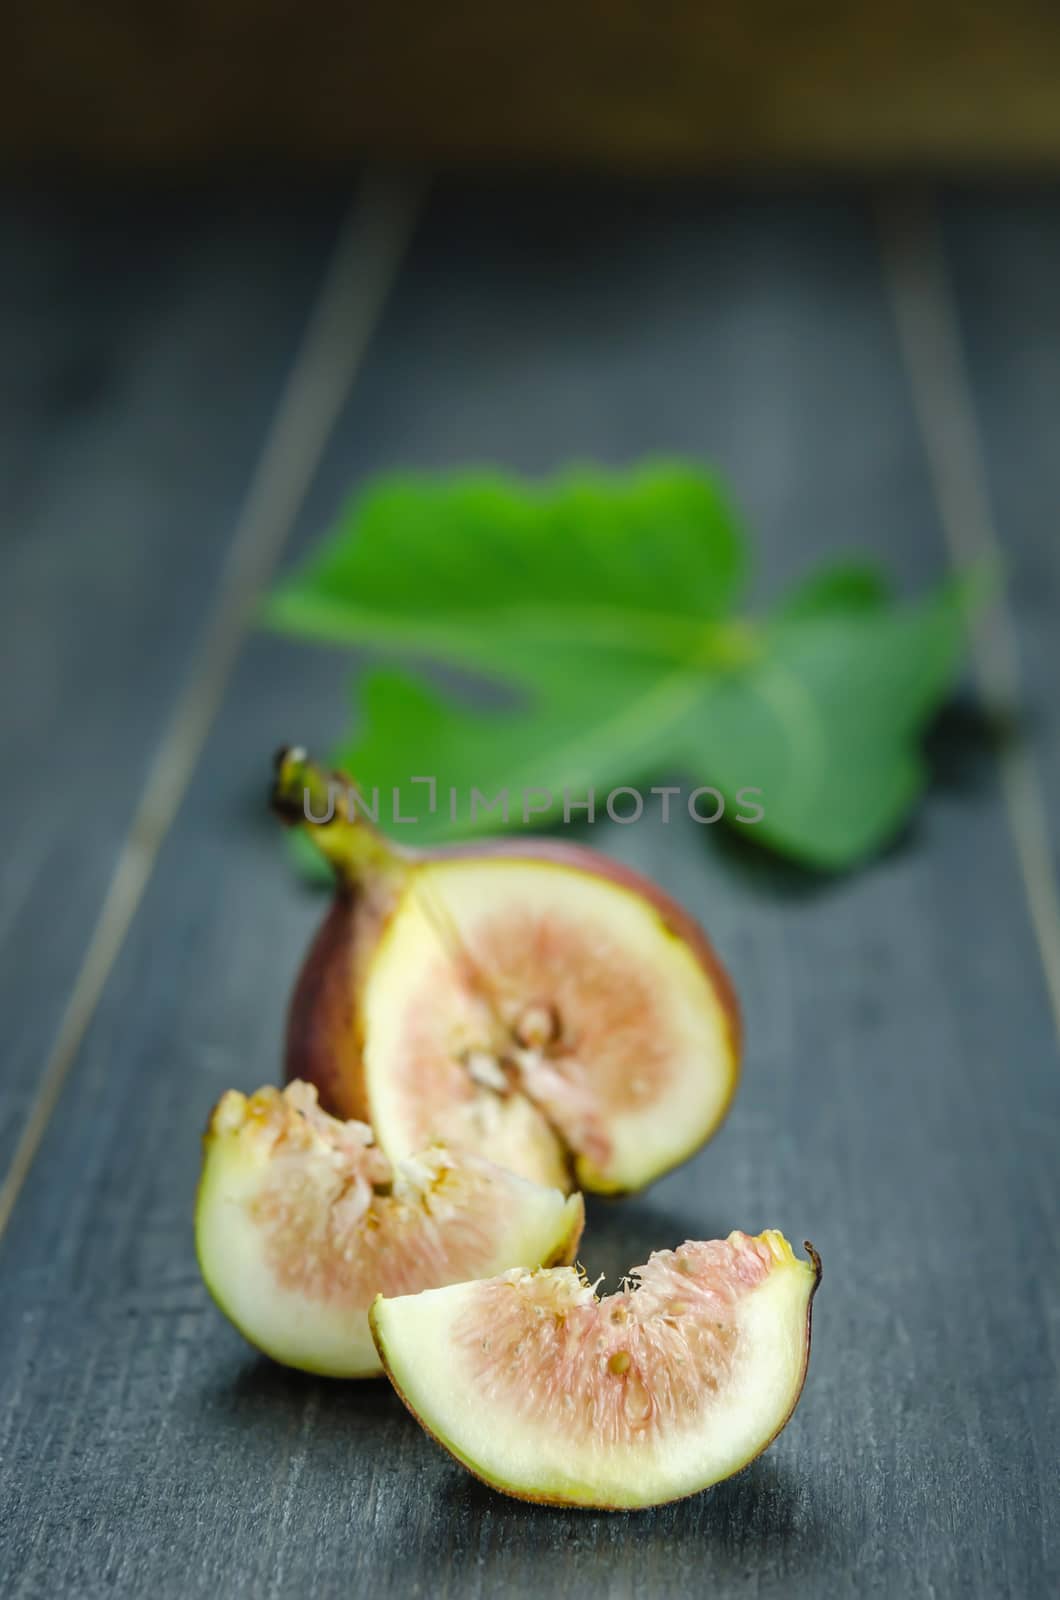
(146, 342)
(1004, 261)
(901, 1093)
(832, 90)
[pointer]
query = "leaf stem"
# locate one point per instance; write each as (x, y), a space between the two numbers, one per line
(471, 638)
(735, 643)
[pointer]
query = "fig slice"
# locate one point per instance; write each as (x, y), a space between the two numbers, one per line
(301, 1221)
(550, 1394)
(528, 999)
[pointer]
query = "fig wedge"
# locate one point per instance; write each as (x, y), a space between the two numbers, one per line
(301, 1221)
(528, 999)
(549, 1394)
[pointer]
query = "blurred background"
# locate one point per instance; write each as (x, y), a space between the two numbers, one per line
(253, 253)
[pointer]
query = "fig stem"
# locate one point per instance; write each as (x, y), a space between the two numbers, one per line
(323, 804)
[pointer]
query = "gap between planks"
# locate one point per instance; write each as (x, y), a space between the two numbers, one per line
(358, 277)
(925, 311)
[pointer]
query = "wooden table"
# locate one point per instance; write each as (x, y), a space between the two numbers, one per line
(190, 386)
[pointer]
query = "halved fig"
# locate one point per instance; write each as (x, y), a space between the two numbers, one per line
(525, 998)
(550, 1394)
(301, 1221)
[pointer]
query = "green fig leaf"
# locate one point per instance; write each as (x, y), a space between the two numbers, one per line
(605, 603)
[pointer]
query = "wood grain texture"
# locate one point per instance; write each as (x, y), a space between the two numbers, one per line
(1004, 254)
(135, 334)
(901, 1095)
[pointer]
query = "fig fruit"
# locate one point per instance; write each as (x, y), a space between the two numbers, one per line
(301, 1221)
(529, 999)
(550, 1394)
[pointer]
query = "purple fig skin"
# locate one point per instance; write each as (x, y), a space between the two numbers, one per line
(323, 1039)
(324, 1036)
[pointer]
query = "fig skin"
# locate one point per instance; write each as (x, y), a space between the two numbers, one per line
(324, 1036)
(528, 1496)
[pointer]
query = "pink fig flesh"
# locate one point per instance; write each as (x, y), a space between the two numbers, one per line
(527, 998)
(548, 1393)
(301, 1221)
